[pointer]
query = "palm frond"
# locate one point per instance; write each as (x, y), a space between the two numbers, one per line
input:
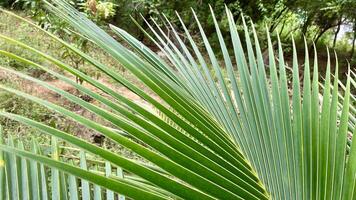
(32, 181)
(234, 134)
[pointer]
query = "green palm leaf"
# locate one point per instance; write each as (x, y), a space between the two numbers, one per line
(234, 134)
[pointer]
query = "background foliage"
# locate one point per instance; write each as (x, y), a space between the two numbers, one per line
(321, 21)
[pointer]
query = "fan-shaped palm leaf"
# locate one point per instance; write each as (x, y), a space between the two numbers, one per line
(224, 135)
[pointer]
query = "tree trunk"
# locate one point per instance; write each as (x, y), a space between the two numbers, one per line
(282, 28)
(353, 45)
(277, 19)
(337, 31)
(320, 34)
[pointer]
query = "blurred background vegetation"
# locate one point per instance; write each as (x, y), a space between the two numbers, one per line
(329, 23)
